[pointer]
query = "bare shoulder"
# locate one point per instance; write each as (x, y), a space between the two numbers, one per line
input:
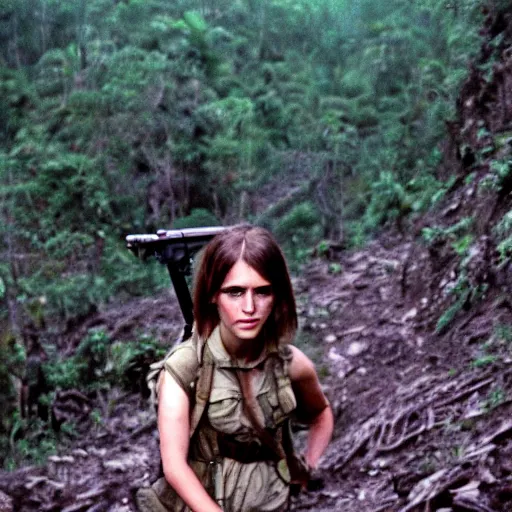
(173, 401)
(301, 367)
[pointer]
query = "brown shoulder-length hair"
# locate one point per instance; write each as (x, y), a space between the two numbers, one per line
(256, 247)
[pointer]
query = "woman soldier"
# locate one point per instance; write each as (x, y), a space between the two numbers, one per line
(226, 395)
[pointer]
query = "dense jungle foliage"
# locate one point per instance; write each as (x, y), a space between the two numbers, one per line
(122, 116)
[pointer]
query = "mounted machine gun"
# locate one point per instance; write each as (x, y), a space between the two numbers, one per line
(175, 248)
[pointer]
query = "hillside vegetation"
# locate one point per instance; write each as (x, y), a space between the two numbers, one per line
(129, 116)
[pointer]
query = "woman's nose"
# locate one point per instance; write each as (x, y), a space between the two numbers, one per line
(248, 303)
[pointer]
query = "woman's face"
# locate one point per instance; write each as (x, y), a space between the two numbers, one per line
(244, 302)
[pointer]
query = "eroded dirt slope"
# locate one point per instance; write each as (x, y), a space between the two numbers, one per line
(421, 424)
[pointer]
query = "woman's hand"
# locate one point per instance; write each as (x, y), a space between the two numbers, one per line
(312, 405)
(174, 428)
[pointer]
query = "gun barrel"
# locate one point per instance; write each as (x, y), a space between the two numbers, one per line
(175, 248)
(140, 239)
(170, 236)
(172, 245)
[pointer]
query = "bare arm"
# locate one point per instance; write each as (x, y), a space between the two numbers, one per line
(313, 405)
(174, 428)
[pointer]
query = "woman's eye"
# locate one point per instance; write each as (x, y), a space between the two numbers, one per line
(264, 291)
(234, 292)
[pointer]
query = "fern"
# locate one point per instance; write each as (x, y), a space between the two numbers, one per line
(465, 296)
(503, 231)
(447, 317)
(431, 235)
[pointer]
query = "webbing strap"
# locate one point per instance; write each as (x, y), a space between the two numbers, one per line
(251, 407)
(282, 379)
(203, 388)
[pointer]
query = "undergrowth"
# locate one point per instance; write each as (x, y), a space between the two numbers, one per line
(97, 364)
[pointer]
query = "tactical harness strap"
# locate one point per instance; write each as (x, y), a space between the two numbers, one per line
(203, 386)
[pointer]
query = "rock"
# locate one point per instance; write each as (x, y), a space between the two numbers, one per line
(337, 358)
(380, 463)
(5, 503)
(409, 315)
(79, 452)
(330, 338)
(98, 452)
(356, 348)
(115, 465)
(330, 494)
(65, 458)
(342, 364)
(334, 306)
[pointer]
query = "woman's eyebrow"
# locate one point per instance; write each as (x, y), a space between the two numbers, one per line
(244, 288)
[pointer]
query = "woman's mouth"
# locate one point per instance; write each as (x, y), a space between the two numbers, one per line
(249, 323)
